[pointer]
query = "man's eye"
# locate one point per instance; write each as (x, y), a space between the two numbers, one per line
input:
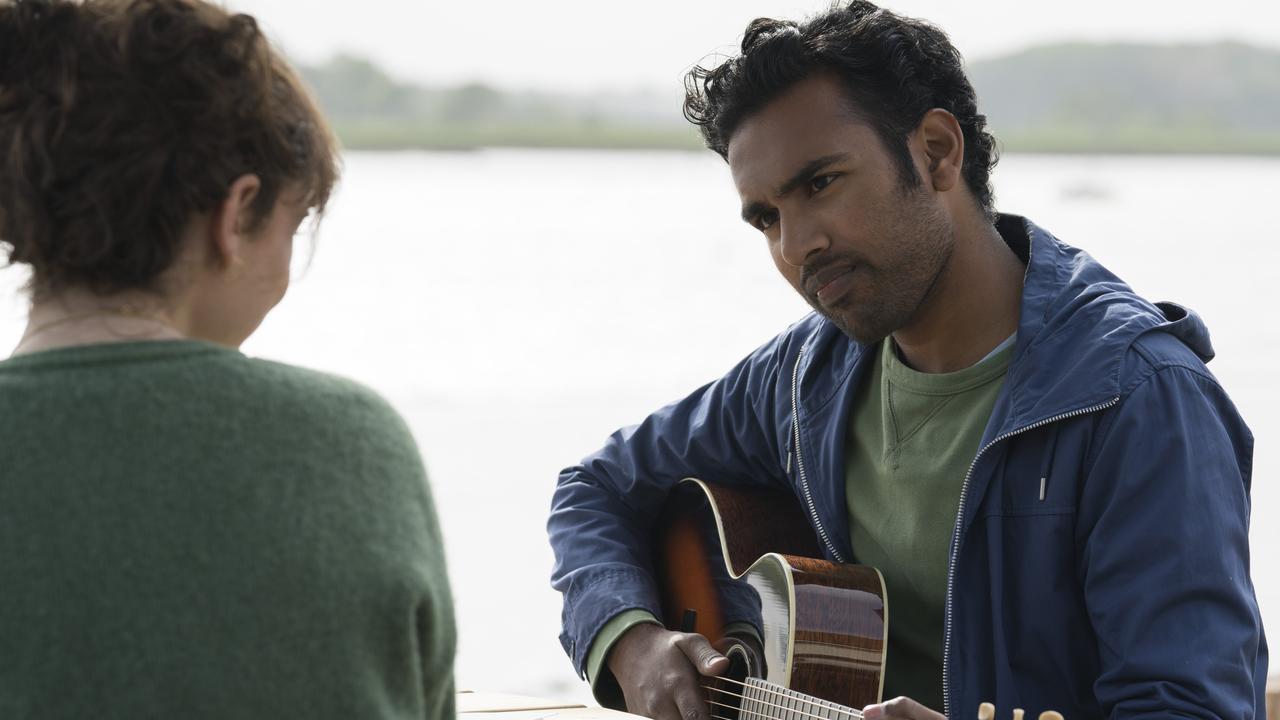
(766, 220)
(820, 182)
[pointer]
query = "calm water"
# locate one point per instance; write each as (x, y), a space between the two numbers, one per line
(517, 306)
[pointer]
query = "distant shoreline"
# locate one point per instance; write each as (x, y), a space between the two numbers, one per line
(389, 137)
(1218, 98)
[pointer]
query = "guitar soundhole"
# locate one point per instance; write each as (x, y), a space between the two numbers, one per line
(744, 661)
(724, 693)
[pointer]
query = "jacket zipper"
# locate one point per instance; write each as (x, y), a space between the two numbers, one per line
(955, 535)
(804, 481)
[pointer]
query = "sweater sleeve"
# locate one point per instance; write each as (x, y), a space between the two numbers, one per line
(404, 562)
(434, 623)
(1165, 559)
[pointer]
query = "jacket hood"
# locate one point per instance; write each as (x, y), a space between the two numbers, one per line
(1077, 322)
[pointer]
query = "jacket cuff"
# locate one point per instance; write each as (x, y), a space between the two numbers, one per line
(594, 597)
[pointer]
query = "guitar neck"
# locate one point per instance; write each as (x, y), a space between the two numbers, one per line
(756, 699)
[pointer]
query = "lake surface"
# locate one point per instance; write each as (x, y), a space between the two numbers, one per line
(518, 306)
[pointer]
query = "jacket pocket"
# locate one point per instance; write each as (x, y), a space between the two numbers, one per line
(1039, 473)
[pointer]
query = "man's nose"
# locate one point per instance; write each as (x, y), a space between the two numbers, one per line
(801, 239)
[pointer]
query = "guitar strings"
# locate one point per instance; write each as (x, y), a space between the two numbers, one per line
(773, 689)
(816, 703)
(787, 712)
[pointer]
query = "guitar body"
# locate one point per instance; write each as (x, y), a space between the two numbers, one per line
(741, 555)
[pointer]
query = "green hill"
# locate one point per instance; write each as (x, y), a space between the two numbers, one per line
(1072, 97)
(1222, 97)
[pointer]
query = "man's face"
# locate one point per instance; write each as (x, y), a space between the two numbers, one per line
(862, 249)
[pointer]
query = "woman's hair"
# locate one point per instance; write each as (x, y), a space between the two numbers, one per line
(894, 70)
(121, 120)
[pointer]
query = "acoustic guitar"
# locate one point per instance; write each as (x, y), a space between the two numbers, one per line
(745, 558)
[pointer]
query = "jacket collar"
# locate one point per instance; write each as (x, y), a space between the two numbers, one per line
(1076, 322)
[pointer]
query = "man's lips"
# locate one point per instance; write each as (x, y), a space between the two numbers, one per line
(830, 284)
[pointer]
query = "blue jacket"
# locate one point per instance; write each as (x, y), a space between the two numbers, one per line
(1123, 592)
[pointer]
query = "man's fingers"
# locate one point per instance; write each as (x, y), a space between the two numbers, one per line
(705, 658)
(899, 708)
(660, 672)
(689, 703)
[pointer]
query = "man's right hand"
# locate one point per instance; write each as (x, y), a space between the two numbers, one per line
(660, 671)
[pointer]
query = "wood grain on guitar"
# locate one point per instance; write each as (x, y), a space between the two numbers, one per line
(733, 555)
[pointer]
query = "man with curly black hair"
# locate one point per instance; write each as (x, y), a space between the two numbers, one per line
(1054, 486)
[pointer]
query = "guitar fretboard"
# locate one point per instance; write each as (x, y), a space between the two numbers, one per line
(764, 700)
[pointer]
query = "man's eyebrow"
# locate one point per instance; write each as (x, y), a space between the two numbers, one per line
(803, 175)
(753, 210)
(810, 169)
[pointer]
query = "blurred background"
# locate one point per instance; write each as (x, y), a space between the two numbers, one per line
(529, 247)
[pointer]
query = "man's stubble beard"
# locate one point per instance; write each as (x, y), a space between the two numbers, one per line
(905, 286)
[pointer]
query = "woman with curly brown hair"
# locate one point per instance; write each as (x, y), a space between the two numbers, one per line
(185, 531)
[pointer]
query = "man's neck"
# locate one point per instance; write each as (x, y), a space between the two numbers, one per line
(972, 308)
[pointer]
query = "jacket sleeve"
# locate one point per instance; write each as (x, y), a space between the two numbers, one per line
(1165, 554)
(603, 508)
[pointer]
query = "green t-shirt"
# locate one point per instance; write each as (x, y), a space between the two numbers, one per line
(912, 437)
(192, 533)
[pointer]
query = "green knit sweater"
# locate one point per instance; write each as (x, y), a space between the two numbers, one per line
(187, 532)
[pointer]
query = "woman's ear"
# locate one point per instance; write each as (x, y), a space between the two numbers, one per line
(943, 142)
(232, 220)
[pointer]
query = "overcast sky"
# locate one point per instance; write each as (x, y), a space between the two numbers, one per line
(593, 44)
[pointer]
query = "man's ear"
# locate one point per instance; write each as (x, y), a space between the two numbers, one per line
(943, 142)
(232, 220)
